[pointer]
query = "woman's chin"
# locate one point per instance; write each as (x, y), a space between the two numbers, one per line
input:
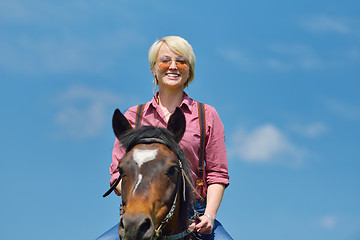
(173, 83)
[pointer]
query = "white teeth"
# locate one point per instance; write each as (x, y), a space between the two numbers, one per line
(173, 75)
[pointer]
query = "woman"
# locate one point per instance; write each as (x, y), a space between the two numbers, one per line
(172, 63)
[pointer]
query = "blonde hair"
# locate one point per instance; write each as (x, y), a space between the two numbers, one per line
(179, 46)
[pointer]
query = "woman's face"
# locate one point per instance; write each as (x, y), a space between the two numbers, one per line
(171, 70)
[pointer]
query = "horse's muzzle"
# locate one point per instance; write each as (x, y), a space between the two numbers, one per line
(136, 227)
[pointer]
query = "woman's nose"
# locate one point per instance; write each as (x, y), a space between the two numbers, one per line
(173, 65)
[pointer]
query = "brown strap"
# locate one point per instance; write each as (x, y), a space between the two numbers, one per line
(202, 124)
(139, 113)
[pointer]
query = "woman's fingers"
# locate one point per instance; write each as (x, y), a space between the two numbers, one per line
(205, 226)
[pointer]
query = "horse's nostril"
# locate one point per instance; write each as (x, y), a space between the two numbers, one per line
(145, 226)
(146, 229)
(137, 226)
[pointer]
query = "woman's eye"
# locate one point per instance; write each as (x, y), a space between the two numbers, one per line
(181, 60)
(165, 60)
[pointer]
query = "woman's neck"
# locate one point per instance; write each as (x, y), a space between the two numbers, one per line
(169, 99)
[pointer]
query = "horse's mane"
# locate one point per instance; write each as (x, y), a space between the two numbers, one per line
(136, 136)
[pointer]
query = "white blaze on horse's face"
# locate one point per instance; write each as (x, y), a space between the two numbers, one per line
(142, 156)
(139, 178)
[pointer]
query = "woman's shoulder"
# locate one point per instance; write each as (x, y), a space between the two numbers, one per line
(131, 112)
(209, 109)
(144, 105)
(211, 114)
(132, 109)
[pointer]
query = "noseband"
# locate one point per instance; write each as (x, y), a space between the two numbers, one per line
(181, 179)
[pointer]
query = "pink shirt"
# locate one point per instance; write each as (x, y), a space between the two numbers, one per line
(216, 166)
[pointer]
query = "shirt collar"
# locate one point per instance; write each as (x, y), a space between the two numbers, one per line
(186, 103)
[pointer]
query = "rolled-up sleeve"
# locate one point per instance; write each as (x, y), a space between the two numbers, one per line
(215, 150)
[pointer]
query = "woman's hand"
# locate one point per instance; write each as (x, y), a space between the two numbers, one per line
(214, 196)
(205, 226)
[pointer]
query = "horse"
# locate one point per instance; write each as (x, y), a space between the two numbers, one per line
(155, 187)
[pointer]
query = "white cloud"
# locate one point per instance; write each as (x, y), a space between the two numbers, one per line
(77, 92)
(55, 13)
(264, 144)
(328, 222)
(312, 130)
(65, 52)
(81, 122)
(236, 56)
(277, 57)
(324, 23)
(83, 111)
(65, 36)
(286, 57)
(345, 110)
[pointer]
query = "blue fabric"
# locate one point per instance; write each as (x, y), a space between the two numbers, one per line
(112, 234)
(218, 233)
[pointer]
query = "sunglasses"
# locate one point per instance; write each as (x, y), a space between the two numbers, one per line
(165, 62)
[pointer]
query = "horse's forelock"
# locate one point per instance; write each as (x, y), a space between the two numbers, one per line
(135, 136)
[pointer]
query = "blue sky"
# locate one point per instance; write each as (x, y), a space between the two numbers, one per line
(283, 75)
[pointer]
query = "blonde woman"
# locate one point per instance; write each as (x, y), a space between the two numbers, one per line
(172, 63)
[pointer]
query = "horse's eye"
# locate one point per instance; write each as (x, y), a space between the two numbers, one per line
(121, 172)
(172, 171)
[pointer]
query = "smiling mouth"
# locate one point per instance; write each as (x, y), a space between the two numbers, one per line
(172, 75)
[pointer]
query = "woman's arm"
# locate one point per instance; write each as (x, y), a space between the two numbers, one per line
(215, 194)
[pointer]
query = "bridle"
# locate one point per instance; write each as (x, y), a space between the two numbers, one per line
(181, 180)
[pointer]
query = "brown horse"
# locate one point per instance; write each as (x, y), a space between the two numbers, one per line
(155, 195)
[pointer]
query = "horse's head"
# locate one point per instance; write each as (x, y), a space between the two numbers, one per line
(151, 172)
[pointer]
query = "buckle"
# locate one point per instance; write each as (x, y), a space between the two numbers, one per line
(199, 182)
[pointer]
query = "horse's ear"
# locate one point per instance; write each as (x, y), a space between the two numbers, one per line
(177, 124)
(120, 124)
